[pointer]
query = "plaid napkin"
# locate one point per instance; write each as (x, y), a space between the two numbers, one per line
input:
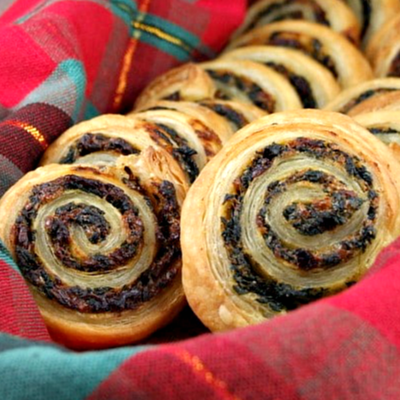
(63, 61)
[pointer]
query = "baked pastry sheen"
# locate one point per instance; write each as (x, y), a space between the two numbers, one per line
(237, 114)
(188, 139)
(332, 13)
(99, 247)
(252, 83)
(187, 82)
(295, 207)
(314, 83)
(373, 15)
(374, 95)
(327, 47)
(385, 125)
(102, 140)
(383, 50)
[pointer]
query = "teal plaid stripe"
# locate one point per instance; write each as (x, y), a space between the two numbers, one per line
(125, 9)
(167, 36)
(159, 32)
(68, 375)
(6, 257)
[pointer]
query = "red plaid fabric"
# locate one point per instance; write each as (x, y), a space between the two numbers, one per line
(63, 61)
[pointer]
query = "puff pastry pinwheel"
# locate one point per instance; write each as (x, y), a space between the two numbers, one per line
(374, 95)
(187, 82)
(373, 14)
(99, 247)
(295, 207)
(252, 83)
(102, 140)
(332, 13)
(205, 115)
(385, 125)
(329, 48)
(314, 84)
(383, 50)
(190, 141)
(237, 114)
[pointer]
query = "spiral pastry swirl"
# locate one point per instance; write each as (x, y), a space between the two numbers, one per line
(237, 114)
(347, 64)
(385, 125)
(373, 15)
(99, 247)
(332, 13)
(212, 120)
(102, 140)
(187, 82)
(191, 142)
(314, 84)
(252, 83)
(370, 96)
(294, 208)
(383, 50)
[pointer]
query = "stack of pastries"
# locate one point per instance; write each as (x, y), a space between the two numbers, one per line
(248, 185)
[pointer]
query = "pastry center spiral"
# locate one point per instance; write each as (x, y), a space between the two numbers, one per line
(319, 216)
(92, 246)
(299, 214)
(96, 228)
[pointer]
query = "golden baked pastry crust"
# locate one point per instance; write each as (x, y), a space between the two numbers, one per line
(385, 125)
(373, 95)
(237, 114)
(192, 142)
(372, 15)
(112, 279)
(187, 82)
(212, 120)
(327, 47)
(383, 50)
(252, 83)
(314, 84)
(281, 160)
(102, 140)
(333, 13)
